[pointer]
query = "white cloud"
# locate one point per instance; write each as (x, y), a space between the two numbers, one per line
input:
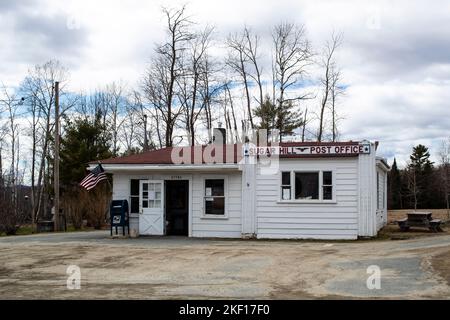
(395, 57)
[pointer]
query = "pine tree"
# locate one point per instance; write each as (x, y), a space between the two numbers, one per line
(423, 168)
(267, 113)
(395, 188)
(288, 119)
(85, 140)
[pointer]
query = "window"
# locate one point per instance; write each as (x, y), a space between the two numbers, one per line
(305, 186)
(134, 196)
(378, 191)
(152, 195)
(215, 197)
(286, 186)
(327, 185)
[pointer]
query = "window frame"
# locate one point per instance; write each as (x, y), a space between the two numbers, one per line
(131, 196)
(223, 216)
(286, 185)
(321, 200)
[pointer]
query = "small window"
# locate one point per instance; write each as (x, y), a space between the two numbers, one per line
(134, 196)
(327, 185)
(307, 185)
(378, 190)
(215, 197)
(286, 186)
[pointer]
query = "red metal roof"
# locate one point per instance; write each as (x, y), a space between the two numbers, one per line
(168, 155)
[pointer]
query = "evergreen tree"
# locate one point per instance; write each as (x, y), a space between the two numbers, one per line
(395, 188)
(267, 113)
(288, 119)
(423, 167)
(420, 158)
(85, 140)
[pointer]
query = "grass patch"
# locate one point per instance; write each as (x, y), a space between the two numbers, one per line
(28, 230)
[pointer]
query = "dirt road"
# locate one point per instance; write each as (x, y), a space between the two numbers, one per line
(34, 267)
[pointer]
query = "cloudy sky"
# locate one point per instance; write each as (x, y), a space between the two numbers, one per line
(395, 57)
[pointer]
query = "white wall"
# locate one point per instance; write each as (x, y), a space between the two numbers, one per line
(309, 220)
(382, 201)
(274, 219)
(230, 227)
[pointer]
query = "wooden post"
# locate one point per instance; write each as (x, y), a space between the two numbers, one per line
(56, 165)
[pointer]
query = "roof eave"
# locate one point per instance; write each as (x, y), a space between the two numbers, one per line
(111, 168)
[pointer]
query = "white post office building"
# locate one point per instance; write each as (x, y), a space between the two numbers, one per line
(291, 191)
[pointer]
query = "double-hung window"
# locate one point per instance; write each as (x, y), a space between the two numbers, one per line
(214, 197)
(307, 186)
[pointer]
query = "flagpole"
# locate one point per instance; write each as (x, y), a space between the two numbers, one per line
(56, 165)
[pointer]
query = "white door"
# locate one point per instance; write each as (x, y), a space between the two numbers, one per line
(151, 218)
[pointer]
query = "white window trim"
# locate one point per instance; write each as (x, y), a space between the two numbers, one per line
(312, 201)
(205, 216)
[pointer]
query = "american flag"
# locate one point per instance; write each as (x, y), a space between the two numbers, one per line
(92, 179)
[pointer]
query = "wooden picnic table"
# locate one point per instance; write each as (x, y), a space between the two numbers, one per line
(420, 219)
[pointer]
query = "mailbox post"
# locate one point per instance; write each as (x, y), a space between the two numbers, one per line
(119, 215)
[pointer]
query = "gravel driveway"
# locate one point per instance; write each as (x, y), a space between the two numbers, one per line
(34, 267)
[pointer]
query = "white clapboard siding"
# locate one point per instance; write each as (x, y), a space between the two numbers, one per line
(337, 220)
(231, 226)
(381, 205)
(121, 191)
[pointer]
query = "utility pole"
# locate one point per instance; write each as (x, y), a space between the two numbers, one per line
(56, 165)
(145, 133)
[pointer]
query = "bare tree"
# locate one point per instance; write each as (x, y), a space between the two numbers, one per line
(336, 90)
(234, 127)
(412, 186)
(38, 87)
(444, 172)
(11, 105)
(305, 122)
(237, 60)
(195, 66)
(328, 64)
(252, 53)
(163, 73)
(115, 108)
(291, 58)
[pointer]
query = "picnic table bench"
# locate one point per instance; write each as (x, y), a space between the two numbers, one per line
(420, 219)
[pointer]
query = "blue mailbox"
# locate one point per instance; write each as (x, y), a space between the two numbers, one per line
(119, 215)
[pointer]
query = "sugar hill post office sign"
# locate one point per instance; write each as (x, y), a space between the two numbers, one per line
(341, 149)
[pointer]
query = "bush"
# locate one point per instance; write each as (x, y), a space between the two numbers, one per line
(74, 203)
(12, 211)
(97, 205)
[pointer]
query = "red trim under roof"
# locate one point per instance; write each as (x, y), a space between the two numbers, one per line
(164, 156)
